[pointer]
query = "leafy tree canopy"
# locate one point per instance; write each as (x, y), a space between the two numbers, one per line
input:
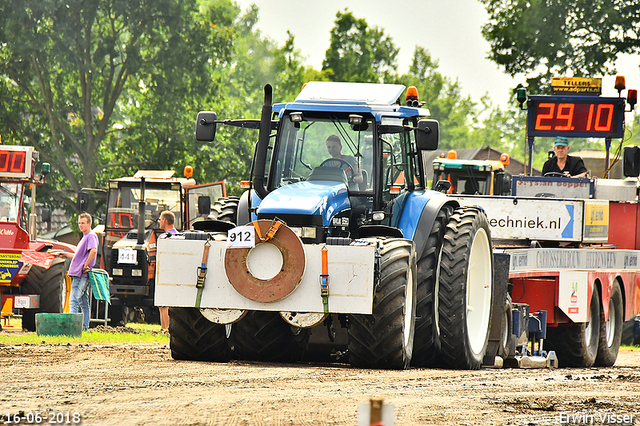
(560, 37)
(64, 67)
(359, 53)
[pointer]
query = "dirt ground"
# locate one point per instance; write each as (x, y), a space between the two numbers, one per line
(142, 385)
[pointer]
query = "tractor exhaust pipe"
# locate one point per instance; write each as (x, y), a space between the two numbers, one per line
(263, 143)
(141, 208)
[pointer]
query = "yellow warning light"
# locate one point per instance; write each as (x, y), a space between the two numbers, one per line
(412, 96)
(188, 172)
(412, 92)
(505, 158)
(620, 83)
(452, 155)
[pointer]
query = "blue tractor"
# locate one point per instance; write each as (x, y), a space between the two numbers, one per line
(338, 248)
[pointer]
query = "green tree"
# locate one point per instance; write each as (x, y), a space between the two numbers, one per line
(359, 53)
(64, 67)
(255, 61)
(553, 37)
(455, 112)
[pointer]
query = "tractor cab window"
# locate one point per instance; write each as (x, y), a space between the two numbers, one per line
(324, 147)
(123, 206)
(464, 181)
(397, 163)
(9, 201)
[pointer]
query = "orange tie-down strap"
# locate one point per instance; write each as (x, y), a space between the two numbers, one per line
(275, 225)
(202, 273)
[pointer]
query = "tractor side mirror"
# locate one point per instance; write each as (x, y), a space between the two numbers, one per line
(427, 135)
(206, 126)
(204, 205)
(443, 186)
(631, 161)
(82, 202)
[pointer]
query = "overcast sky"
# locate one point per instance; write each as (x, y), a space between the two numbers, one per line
(448, 29)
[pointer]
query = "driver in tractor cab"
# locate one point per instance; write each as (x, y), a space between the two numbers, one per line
(348, 163)
(5, 209)
(563, 164)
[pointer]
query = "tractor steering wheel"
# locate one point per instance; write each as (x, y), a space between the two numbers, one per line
(349, 170)
(555, 174)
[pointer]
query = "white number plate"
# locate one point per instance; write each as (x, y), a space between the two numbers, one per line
(241, 237)
(127, 256)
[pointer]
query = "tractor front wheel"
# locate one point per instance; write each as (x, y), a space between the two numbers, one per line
(193, 337)
(265, 336)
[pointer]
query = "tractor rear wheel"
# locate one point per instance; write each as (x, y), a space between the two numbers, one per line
(577, 345)
(265, 336)
(611, 330)
(195, 338)
(50, 285)
(385, 338)
(225, 208)
(426, 341)
(465, 289)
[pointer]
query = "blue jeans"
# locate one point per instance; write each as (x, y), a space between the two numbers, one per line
(80, 298)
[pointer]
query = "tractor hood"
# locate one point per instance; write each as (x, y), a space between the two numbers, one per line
(131, 240)
(308, 198)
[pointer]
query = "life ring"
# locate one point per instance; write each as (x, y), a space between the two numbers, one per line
(284, 282)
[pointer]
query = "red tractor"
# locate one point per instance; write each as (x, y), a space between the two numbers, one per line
(31, 277)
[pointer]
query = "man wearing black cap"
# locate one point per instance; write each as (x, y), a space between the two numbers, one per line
(563, 163)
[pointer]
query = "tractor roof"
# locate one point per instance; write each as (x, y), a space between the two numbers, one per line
(380, 100)
(457, 163)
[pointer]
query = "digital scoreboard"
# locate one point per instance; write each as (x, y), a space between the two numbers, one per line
(16, 162)
(576, 116)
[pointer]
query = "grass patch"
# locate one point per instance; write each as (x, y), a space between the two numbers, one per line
(631, 348)
(133, 334)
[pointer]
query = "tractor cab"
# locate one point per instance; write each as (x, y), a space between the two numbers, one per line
(337, 163)
(473, 177)
(17, 168)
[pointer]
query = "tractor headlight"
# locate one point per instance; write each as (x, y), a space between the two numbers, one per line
(308, 232)
(304, 232)
(136, 272)
(116, 271)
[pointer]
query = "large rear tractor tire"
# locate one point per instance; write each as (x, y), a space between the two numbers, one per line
(50, 285)
(611, 330)
(385, 338)
(265, 336)
(465, 290)
(225, 208)
(577, 345)
(426, 341)
(195, 338)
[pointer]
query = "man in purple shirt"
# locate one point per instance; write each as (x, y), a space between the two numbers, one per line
(167, 219)
(81, 263)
